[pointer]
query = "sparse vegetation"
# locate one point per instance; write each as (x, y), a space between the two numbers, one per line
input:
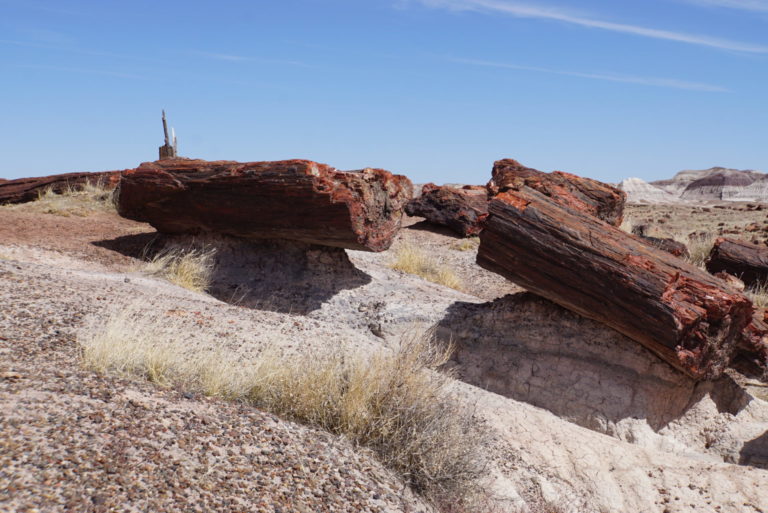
(73, 201)
(413, 260)
(188, 268)
(758, 294)
(699, 248)
(469, 244)
(394, 403)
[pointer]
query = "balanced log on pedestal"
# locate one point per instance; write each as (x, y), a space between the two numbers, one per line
(293, 199)
(689, 318)
(743, 259)
(460, 209)
(581, 194)
(29, 189)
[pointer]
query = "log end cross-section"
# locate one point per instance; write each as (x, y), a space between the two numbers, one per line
(293, 199)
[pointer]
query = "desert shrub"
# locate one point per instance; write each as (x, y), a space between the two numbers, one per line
(469, 244)
(187, 267)
(392, 402)
(413, 260)
(81, 200)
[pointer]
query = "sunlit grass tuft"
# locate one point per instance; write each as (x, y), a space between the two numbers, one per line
(188, 268)
(413, 260)
(81, 200)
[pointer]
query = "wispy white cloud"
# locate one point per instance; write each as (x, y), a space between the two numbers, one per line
(745, 5)
(521, 10)
(611, 77)
(88, 71)
(240, 58)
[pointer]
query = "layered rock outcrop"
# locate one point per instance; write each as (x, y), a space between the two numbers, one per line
(574, 192)
(293, 199)
(460, 209)
(640, 191)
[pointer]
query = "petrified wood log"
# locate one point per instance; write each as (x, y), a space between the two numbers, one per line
(740, 258)
(29, 189)
(293, 199)
(751, 357)
(460, 209)
(689, 318)
(671, 246)
(582, 194)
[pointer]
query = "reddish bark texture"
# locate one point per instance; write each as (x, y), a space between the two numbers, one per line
(293, 199)
(460, 209)
(751, 356)
(671, 246)
(581, 194)
(29, 189)
(743, 259)
(689, 318)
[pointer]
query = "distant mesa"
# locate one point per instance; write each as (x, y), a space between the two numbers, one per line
(713, 184)
(640, 191)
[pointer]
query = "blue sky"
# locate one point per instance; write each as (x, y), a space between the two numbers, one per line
(434, 89)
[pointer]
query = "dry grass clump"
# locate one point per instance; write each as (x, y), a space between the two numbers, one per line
(469, 244)
(188, 268)
(758, 294)
(82, 200)
(393, 403)
(699, 248)
(413, 260)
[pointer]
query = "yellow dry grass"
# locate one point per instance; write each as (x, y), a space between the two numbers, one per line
(188, 268)
(78, 201)
(758, 294)
(469, 244)
(413, 260)
(392, 402)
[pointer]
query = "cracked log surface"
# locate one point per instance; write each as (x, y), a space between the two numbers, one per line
(742, 259)
(292, 199)
(689, 318)
(575, 192)
(29, 189)
(461, 209)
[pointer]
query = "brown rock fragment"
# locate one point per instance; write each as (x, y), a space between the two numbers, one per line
(460, 209)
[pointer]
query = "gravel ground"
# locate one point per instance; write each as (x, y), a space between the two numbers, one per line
(75, 441)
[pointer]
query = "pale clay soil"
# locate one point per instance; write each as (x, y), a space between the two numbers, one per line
(574, 414)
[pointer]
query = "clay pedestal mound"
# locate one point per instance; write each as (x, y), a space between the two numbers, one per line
(460, 209)
(293, 199)
(581, 194)
(29, 189)
(689, 318)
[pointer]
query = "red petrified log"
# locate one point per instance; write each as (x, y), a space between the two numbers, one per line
(293, 199)
(29, 189)
(689, 318)
(751, 356)
(739, 258)
(582, 194)
(460, 209)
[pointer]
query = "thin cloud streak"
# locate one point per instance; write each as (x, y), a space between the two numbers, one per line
(744, 5)
(611, 77)
(240, 58)
(67, 69)
(557, 14)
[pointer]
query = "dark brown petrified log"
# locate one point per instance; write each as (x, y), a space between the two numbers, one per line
(671, 246)
(582, 194)
(460, 209)
(740, 258)
(751, 357)
(29, 189)
(689, 318)
(293, 199)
